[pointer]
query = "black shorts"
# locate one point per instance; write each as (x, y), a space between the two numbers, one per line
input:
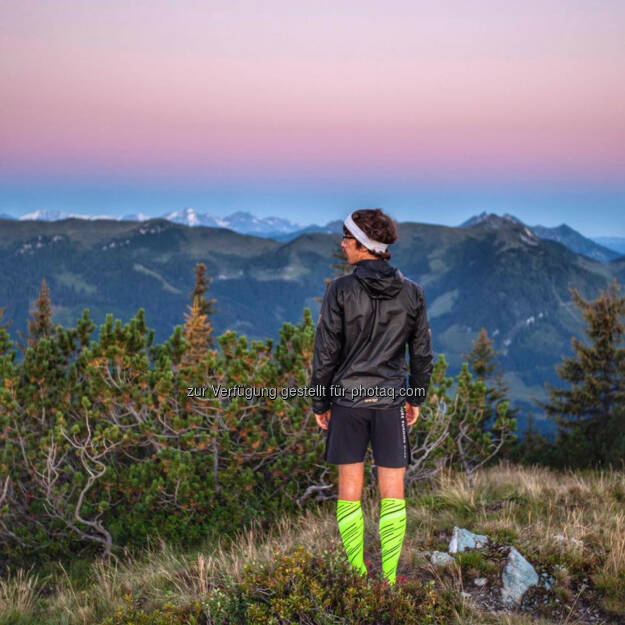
(351, 429)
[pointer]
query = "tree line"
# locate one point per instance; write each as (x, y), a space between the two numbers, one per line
(103, 448)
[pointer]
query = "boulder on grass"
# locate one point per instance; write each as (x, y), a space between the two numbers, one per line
(440, 558)
(462, 539)
(518, 575)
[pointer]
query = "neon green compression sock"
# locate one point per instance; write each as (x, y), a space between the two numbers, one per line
(352, 529)
(392, 531)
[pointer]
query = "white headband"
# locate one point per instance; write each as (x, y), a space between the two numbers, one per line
(370, 244)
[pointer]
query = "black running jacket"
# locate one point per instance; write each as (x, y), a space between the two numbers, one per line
(367, 319)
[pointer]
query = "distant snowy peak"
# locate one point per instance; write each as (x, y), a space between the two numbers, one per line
(240, 221)
(188, 217)
(248, 224)
(136, 217)
(44, 215)
(56, 215)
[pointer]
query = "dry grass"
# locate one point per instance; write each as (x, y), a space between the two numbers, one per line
(531, 503)
(573, 521)
(539, 504)
(164, 573)
(18, 594)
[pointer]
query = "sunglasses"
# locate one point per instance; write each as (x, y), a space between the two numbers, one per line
(348, 236)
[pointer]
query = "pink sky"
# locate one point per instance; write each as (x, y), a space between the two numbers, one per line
(237, 90)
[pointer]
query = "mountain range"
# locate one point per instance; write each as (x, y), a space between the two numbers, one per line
(562, 234)
(495, 273)
(239, 221)
(603, 249)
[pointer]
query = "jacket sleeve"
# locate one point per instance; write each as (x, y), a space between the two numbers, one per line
(421, 355)
(329, 340)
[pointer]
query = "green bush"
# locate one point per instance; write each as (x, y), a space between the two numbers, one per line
(117, 454)
(167, 615)
(298, 587)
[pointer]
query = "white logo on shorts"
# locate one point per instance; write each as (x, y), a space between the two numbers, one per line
(403, 430)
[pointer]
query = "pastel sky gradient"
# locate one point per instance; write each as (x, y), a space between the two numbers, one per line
(324, 106)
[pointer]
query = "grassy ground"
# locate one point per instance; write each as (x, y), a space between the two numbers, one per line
(297, 573)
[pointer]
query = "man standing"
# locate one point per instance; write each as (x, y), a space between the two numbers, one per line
(367, 318)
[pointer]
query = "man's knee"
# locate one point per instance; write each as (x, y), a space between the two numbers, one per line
(391, 482)
(351, 480)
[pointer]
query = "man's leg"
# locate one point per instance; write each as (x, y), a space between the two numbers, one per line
(349, 513)
(391, 482)
(392, 518)
(351, 478)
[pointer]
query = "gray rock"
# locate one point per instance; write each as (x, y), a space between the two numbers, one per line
(547, 580)
(462, 539)
(440, 558)
(518, 575)
(480, 581)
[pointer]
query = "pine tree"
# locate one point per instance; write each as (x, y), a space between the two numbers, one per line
(590, 416)
(482, 355)
(5, 344)
(533, 448)
(4, 326)
(197, 332)
(466, 443)
(206, 307)
(340, 268)
(40, 325)
(483, 361)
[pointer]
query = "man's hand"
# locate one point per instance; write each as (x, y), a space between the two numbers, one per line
(412, 414)
(323, 419)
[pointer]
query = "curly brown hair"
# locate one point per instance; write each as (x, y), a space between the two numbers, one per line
(377, 226)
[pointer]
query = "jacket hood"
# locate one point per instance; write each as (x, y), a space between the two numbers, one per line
(378, 278)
